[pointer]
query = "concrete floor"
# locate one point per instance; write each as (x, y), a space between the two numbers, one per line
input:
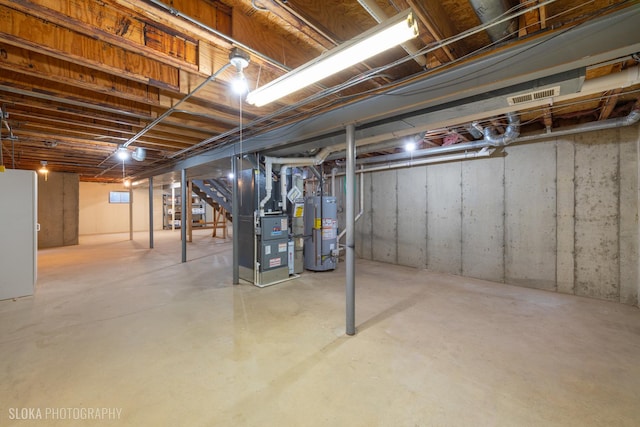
(115, 325)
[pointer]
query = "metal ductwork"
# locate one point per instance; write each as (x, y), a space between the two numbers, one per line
(404, 110)
(139, 155)
(475, 130)
(632, 118)
(510, 134)
(490, 10)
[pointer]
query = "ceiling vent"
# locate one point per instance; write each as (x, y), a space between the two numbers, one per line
(534, 96)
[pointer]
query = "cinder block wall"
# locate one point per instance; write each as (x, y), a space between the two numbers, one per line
(560, 214)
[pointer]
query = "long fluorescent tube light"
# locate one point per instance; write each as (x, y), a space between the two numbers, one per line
(384, 36)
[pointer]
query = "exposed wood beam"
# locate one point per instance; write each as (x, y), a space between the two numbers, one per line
(56, 70)
(191, 127)
(300, 23)
(547, 117)
(200, 30)
(60, 91)
(290, 52)
(291, 48)
(116, 26)
(27, 104)
(41, 36)
(50, 130)
(433, 16)
(21, 116)
(532, 21)
(161, 134)
(48, 133)
(609, 103)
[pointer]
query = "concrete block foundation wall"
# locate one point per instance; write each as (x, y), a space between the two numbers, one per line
(560, 214)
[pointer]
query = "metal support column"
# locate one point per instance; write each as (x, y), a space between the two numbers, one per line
(235, 215)
(150, 212)
(187, 216)
(130, 212)
(351, 226)
(183, 208)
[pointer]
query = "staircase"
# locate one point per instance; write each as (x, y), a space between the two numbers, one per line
(215, 193)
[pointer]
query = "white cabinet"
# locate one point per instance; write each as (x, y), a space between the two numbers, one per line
(18, 235)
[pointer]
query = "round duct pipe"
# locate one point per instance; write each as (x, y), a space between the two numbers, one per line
(491, 10)
(140, 154)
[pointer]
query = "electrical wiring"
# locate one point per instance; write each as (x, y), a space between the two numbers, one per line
(333, 97)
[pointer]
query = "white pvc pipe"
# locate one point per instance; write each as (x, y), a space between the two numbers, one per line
(289, 161)
(268, 168)
(283, 187)
(333, 181)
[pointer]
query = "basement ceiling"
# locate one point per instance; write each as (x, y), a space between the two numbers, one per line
(81, 77)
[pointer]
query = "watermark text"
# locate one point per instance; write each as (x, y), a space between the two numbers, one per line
(33, 413)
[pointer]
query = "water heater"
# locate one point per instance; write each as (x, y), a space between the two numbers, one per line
(320, 233)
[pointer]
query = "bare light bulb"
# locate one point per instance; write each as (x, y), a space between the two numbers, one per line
(239, 84)
(122, 153)
(410, 146)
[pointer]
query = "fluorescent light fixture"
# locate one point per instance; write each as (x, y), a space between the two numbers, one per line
(384, 36)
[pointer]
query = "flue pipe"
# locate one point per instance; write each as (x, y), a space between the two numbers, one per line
(318, 159)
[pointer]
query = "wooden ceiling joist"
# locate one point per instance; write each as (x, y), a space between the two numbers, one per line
(50, 39)
(108, 24)
(56, 70)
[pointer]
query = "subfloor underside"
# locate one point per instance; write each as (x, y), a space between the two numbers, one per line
(116, 325)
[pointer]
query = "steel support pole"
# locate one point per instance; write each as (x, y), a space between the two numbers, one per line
(235, 214)
(150, 212)
(350, 226)
(183, 215)
(189, 213)
(130, 212)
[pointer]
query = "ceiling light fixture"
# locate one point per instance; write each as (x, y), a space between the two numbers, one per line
(410, 146)
(384, 36)
(43, 169)
(240, 60)
(122, 153)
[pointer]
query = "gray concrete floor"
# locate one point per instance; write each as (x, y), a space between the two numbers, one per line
(115, 325)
